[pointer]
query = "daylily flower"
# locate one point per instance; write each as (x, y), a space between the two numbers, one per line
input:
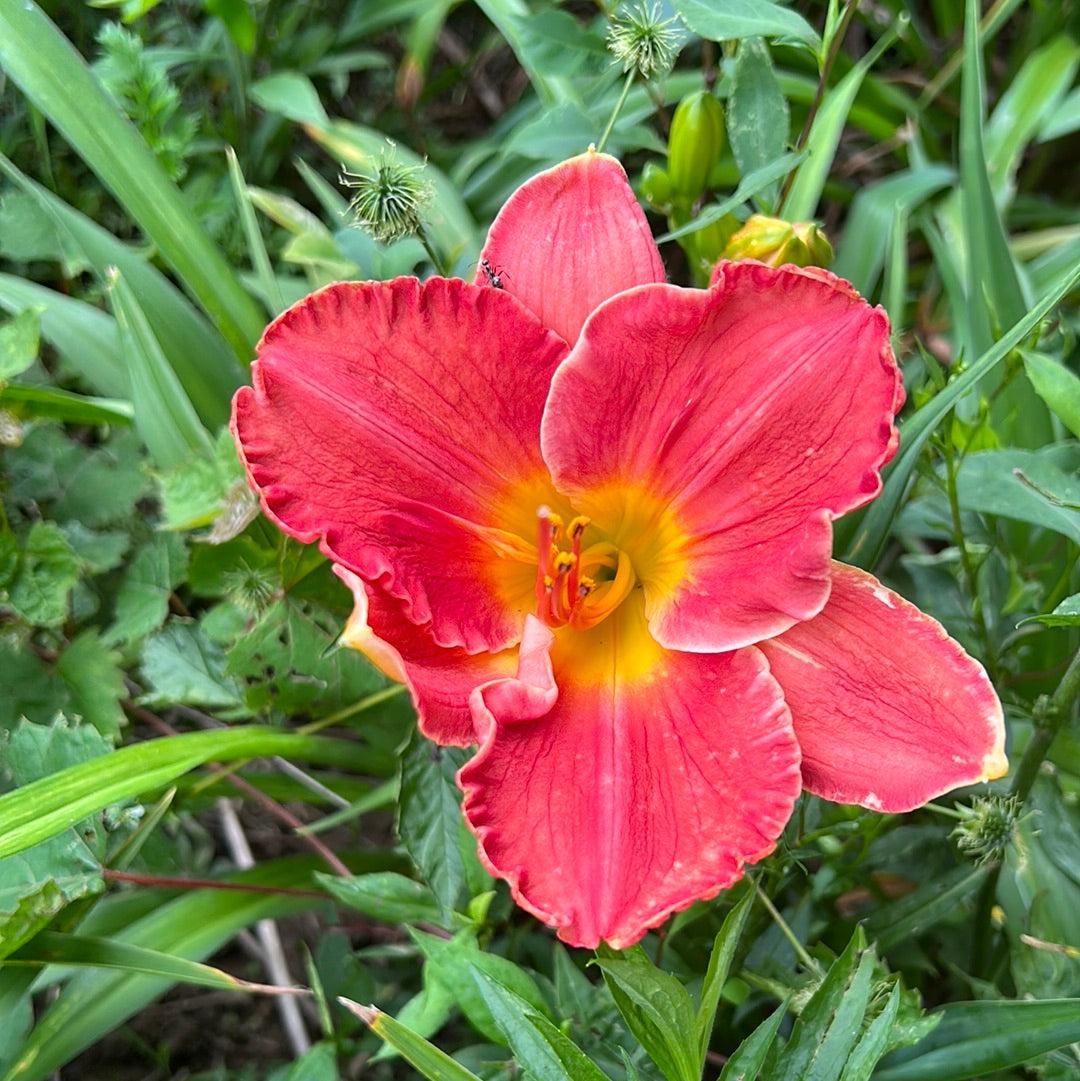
(586, 517)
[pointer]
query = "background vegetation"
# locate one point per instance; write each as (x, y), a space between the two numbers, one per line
(192, 770)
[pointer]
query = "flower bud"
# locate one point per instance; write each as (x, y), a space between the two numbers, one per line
(656, 186)
(697, 137)
(776, 242)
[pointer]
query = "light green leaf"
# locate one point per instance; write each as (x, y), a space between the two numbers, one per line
(1056, 385)
(386, 896)
(95, 682)
(19, 344)
(291, 94)
(142, 600)
(730, 20)
(182, 666)
(1066, 614)
(49, 571)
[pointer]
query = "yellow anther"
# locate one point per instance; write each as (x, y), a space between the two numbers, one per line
(564, 561)
(578, 526)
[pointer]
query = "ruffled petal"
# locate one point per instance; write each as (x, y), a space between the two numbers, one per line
(609, 803)
(568, 239)
(888, 709)
(753, 413)
(395, 422)
(440, 680)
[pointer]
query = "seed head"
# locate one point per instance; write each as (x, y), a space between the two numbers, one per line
(389, 199)
(987, 827)
(639, 38)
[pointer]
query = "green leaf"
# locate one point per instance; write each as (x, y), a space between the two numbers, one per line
(53, 404)
(977, 1038)
(142, 600)
(724, 945)
(874, 1042)
(1056, 385)
(164, 415)
(730, 20)
(758, 119)
(541, 1049)
(95, 682)
(749, 1057)
(290, 94)
(931, 903)
(46, 577)
(386, 896)
(182, 665)
(1066, 614)
(43, 808)
(430, 820)
(41, 61)
(434, 1064)
(867, 543)
(993, 290)
(803, 196)
(656, 1008)
(453, 961)
(19, 338)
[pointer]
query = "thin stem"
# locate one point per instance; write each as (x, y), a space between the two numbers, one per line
(618, 108)
(800, 951)
(833, 52)
(436, 262)
(351, 711)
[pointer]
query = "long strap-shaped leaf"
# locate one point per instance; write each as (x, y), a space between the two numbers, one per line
(59, 82)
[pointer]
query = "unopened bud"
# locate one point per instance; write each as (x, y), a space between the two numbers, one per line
(697, 138)
(777, 242)
(656, 186)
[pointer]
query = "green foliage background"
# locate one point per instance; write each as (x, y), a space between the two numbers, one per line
(171, 693)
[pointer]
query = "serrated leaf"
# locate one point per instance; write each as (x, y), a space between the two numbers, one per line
(95, 682)
(46, 577)
(874, 1042)
(19, 341)
(98, 550)
(181, 665)
(745, 1064)
(386, 896)
(656, 1008)
(142, 600)
(453, 961)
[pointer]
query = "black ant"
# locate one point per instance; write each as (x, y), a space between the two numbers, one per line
(494, 274)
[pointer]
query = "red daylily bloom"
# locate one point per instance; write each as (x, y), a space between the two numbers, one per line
(587, 518)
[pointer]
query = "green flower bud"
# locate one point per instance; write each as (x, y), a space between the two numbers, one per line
(390, 198)
(777, 242)
(697, 138)
(656, 186)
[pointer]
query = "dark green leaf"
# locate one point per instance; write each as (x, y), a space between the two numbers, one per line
(181, 665)
(749, 1057)
(95, 682)
(1066, 614)
(757, 113)
(734, 19)
(46, 577)
(724, 945)
(386, 896)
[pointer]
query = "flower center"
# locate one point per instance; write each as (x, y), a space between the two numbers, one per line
(577, 586)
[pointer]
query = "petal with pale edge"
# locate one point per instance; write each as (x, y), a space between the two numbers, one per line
(439, 680)
(393, 421)
(755, 412)
(608, 805)
(568, 239)
(888, 709)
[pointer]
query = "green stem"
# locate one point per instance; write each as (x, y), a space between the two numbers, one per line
(618, 109)
(800, 951)
(1047, 726)
(436, 262)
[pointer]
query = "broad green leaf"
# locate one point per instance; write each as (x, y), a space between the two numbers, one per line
(800, 203)
(1066, 614)
(41, 61)
(291, 94)
(164, 416)
(723, 950)
(142, 600)
(191, 927)
(95, 682)
(434, 1064)
(43, 808)
(1056, 385)
(730, 20)
(19, 339)
(430, 820)
(202, 360)
(98, 550)
(453, 961)
(978, 1038)
(386, 896)
(656, 1008)
(758, 119)
(865, 547)
(317, 1064)
(542, 1050)
(994, 298)
(749, 1057)
(197, 491)
(182, 666)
